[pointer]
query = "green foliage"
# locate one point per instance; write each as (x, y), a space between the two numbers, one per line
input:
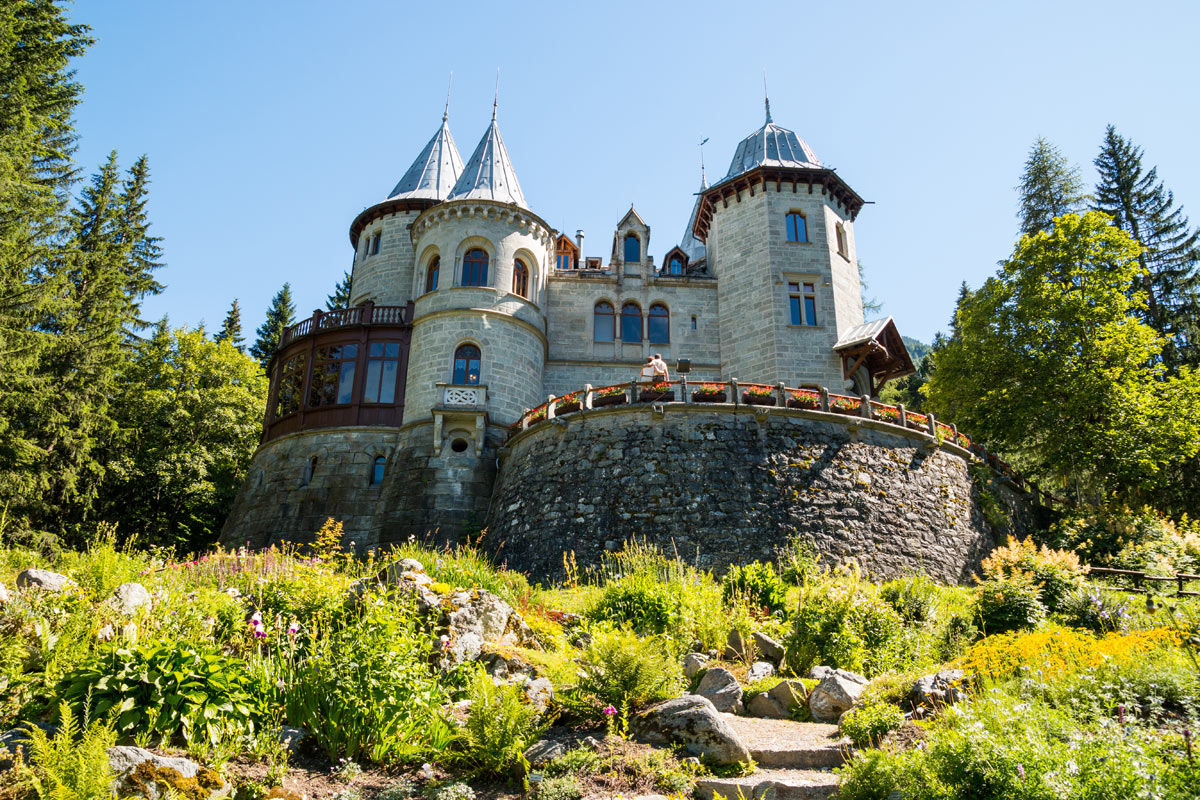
(341, 294)
(177, 691)
(466, 567)
(1009, 604)
(581, 760)
(1050, 363)
(280, 314)
(1057, 573)
(842, 622)
(1050, 187)
(798, 560)
(498, 731)
(231, 328)
(624, 670)
(73, 763)
(755, 583)
(1125, 538)
(866, 723)
(563, 787)
(192, 412)
(366, 691)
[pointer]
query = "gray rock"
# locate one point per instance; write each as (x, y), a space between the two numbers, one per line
(767, 707)
(123, 760)
(759, 670)
(593, 743)
(693, 663)
(693, 722)
(834, 696)
(540, 693)
(543, 751)
(411, 565)
(504, 668)
(768, 648)
(131, 597)
(737, 648)
(821, 673)
(43, 579)
(720, 687)
(789, 694)
(18, 739)
(292, 738)
(477, 618)
(939, 689)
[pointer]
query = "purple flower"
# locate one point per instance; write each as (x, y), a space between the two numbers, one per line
(293, 629)
(609, 711)
(260, 634)
(1021, 771)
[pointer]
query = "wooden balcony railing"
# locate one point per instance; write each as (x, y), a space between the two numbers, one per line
(366, 314)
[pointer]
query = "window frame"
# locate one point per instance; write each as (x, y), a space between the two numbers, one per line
(376, 239)
(802, 302)
(463, 353)
(433, 274)
(625, 248)
(790, 229)
(479, 267)
(641, 323)
(521, 274)
(664, 317)
(610, 314)
(345, 372)
(376, 382)
(378, 470)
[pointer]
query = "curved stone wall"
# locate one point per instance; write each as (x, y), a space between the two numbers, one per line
(729, 484)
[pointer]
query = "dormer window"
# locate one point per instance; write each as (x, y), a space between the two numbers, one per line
(633, 249)
(797, 227)
(566, 254)
(675, 266)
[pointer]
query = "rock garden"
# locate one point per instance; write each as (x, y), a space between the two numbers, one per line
(433, 673)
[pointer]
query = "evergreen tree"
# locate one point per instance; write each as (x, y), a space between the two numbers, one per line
(280, 315)
(143, 251)
(231, 329)
(1139, 204)
(37, 140)
(341, 294)
(1050, 187)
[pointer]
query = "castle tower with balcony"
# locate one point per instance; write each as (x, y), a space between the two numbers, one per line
(395, 416)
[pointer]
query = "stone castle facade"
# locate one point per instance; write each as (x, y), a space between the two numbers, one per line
(468, 309)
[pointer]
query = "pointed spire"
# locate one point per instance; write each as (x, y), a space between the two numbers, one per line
(772, 146)
(434, 172)
(489, 174)
(689, 243)
(449, 86)
(766, 98)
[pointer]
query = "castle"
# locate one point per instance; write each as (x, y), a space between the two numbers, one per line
(397, 415)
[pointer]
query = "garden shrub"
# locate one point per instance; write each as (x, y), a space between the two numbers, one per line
(177, 691)
(639, 601)
(866, 723)
(366, 691)
(756, 584)
(1057, 573)
(578, 761)
(466, 567)
(842, 622)
(915, 598)
(624, 670)
(1009, 604)
(500, 727)
(1097, 611)
(1054, 651)
(1125, 538)
(798, 560)
(563, 787)
(73, 763)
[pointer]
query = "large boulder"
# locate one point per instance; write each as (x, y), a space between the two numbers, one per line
(759, 670)
(131, 597)
(833, 696)
(720, 687)
(737, 646)
(693, 722)
(768, 648)
(476, 618)
(543, 751)
(140, 773)
(939, 689)
(779, 701)
(693, 663)
(43, 579)
(765, 706)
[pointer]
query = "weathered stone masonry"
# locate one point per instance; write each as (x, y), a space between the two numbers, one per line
(730, 485)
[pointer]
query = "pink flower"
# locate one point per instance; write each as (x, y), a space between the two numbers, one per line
(1021, 771)
(260, 634)
(293, 629)
(609, 711)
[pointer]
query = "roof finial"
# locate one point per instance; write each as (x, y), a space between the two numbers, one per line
(703, 180)
(496, 99)
(446, 113)
(766, 97)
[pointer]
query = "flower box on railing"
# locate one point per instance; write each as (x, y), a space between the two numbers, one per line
(567, 404)
(886, 414)
(536, 416)
(845, 405)
(612, 396)
(759, 396)
(656, 393)
(804, 399)
(918, 421)
(710, 393)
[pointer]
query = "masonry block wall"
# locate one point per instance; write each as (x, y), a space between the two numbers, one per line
(385, 277)
(731, 486)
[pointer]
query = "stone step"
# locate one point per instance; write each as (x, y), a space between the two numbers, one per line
(771, 784)
(784, 744)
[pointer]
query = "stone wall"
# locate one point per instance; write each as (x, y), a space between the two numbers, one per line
(723, 485)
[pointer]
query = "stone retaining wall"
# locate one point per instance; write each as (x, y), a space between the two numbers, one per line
(730, 484)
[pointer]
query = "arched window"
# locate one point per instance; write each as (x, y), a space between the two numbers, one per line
(602, 322)
(431, 274)
(377, 469)
(658, 326)
(675, 267)
(631, 322)
(520, 279)
(466, 365)
(841, 240)
(475, 268)
(310, 469)
(633, 249)
(797, 227)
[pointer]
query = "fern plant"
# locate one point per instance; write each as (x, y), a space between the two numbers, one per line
(501, 727)
(73, 764)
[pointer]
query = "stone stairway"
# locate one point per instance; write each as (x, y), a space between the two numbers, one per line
(794, 760)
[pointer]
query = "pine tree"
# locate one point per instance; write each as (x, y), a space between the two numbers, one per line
(280, 315)
(37, 140)
(231, 329)
(1050, 187)
(143, 251)
(341, 294)
(1139, 204)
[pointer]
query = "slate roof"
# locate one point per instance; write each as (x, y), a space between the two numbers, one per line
(489, 173)
(771, 146)
(435, 171)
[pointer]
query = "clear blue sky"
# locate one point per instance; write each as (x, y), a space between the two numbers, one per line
(270, 125)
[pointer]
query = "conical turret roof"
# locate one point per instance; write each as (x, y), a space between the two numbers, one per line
(693, 247)
(772, 146)
(435, 171)
(489, 174)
